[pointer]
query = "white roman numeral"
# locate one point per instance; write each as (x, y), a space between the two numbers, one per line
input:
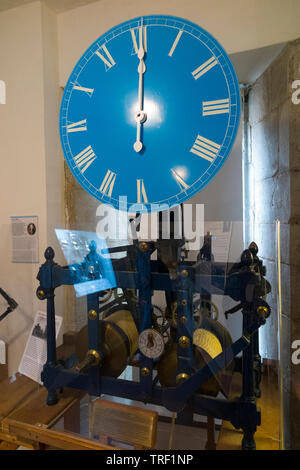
(175, 43)
(141, 193)
(142, 32)
(209, 64)
(180, 181)
(82, 88)
(215, 107)
(135, 46)
(108, 183)
(205, 148)
(85, 158)
(77, 126)
(107, 58)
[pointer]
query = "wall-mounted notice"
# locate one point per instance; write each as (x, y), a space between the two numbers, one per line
(35, 354)
(25, 238)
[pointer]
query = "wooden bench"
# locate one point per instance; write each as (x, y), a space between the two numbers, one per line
(131, 425)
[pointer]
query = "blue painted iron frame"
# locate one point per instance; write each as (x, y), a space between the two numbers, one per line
(242, 413)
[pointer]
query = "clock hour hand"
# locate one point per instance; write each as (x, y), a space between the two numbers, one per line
(138, 144)
(140, 115)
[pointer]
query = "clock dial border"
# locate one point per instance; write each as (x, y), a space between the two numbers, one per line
(217, 50)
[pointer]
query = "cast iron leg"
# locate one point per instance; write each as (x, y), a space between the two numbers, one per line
(248, 442)
(52, 397)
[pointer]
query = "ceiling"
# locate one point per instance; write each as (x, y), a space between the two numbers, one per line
(56, 5)
(249, 65)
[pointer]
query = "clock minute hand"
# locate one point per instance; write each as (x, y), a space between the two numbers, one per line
(140, 115)
(141, 71)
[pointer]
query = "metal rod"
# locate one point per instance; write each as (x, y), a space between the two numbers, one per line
(51, 334)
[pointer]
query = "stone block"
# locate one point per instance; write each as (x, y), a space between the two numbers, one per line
(295, 196)
(284, 136)
(265, 238)
(294, 63)
(294, 135)
(265, 144)
(285, 369)
(285, 290)
(295, 241)
(272, 199)
(285, 343)
(285, 243)
(279, 83)
(260, 99)
(295, 298)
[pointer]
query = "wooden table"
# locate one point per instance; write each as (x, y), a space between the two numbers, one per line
(26, 419)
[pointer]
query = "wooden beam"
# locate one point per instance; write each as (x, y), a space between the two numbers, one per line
(8, 446)
(14, 441)
(57, 439)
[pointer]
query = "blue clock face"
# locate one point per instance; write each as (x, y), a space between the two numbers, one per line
(150, 113)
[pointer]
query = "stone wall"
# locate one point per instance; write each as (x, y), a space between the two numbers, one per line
(273, 193)
(80, 210)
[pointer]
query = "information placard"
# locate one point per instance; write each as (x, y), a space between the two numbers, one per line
(25, 246)
(35, 354)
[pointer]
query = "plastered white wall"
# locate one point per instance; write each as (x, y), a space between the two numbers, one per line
(22, 155)
(239, 25)
(28, 154)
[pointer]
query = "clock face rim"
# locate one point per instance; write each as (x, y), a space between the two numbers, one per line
(224, 153)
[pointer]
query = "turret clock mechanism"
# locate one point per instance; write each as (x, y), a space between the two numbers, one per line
(170, 143)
